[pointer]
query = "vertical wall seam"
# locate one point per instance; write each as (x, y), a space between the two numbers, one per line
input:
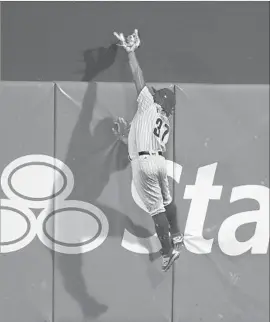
(54, 156)
(1, 40)
(173, 196)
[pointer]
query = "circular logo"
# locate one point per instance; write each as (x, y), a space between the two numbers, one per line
(73, 227)
(18, 226)
(37, 179)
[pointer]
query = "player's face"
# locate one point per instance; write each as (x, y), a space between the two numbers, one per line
(165, 104)
(169, 110)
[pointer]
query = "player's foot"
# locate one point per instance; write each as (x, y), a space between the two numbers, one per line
(168, 260)
(178, 242)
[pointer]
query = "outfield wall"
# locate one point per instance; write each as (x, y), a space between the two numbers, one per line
(75, 242)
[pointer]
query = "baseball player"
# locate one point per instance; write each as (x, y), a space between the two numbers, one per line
(148, 134)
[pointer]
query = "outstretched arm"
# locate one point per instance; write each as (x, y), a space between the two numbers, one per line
(130, 44)
(136, 71)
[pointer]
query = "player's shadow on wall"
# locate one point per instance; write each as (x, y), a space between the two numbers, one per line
(98, 60)
(92, 158)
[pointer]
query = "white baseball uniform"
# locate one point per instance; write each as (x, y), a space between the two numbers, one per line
(149, 131)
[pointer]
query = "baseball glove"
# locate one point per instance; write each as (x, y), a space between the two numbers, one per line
(129, 43)
(121, 129)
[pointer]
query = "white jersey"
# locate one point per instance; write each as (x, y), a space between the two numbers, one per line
(150, 129)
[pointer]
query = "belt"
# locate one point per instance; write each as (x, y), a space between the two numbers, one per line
(147, 153)
(150, 153)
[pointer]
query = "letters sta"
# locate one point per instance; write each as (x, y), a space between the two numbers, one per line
(200, 194)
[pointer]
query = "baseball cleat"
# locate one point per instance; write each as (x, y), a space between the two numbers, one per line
(168, 260)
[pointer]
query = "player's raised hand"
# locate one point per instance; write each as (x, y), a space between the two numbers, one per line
(129, 43)
(122, 41)
(121, 38)
(133, 40)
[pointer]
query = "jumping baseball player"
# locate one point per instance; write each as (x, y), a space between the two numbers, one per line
(148, 134)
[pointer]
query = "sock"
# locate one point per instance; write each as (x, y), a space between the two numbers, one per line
(171, 213)
(163, 232)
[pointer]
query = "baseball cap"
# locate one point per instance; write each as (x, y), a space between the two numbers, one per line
(167, 95)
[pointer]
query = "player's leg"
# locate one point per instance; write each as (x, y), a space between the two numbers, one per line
(171, 212)
(145, 177)
(146, 183)
(168, 252)
(170, 207)
(163, 232)
(177, 236)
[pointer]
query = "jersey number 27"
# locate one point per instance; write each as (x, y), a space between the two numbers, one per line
(161, 130)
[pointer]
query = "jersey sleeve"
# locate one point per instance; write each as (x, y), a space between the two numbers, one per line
(145, 99)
